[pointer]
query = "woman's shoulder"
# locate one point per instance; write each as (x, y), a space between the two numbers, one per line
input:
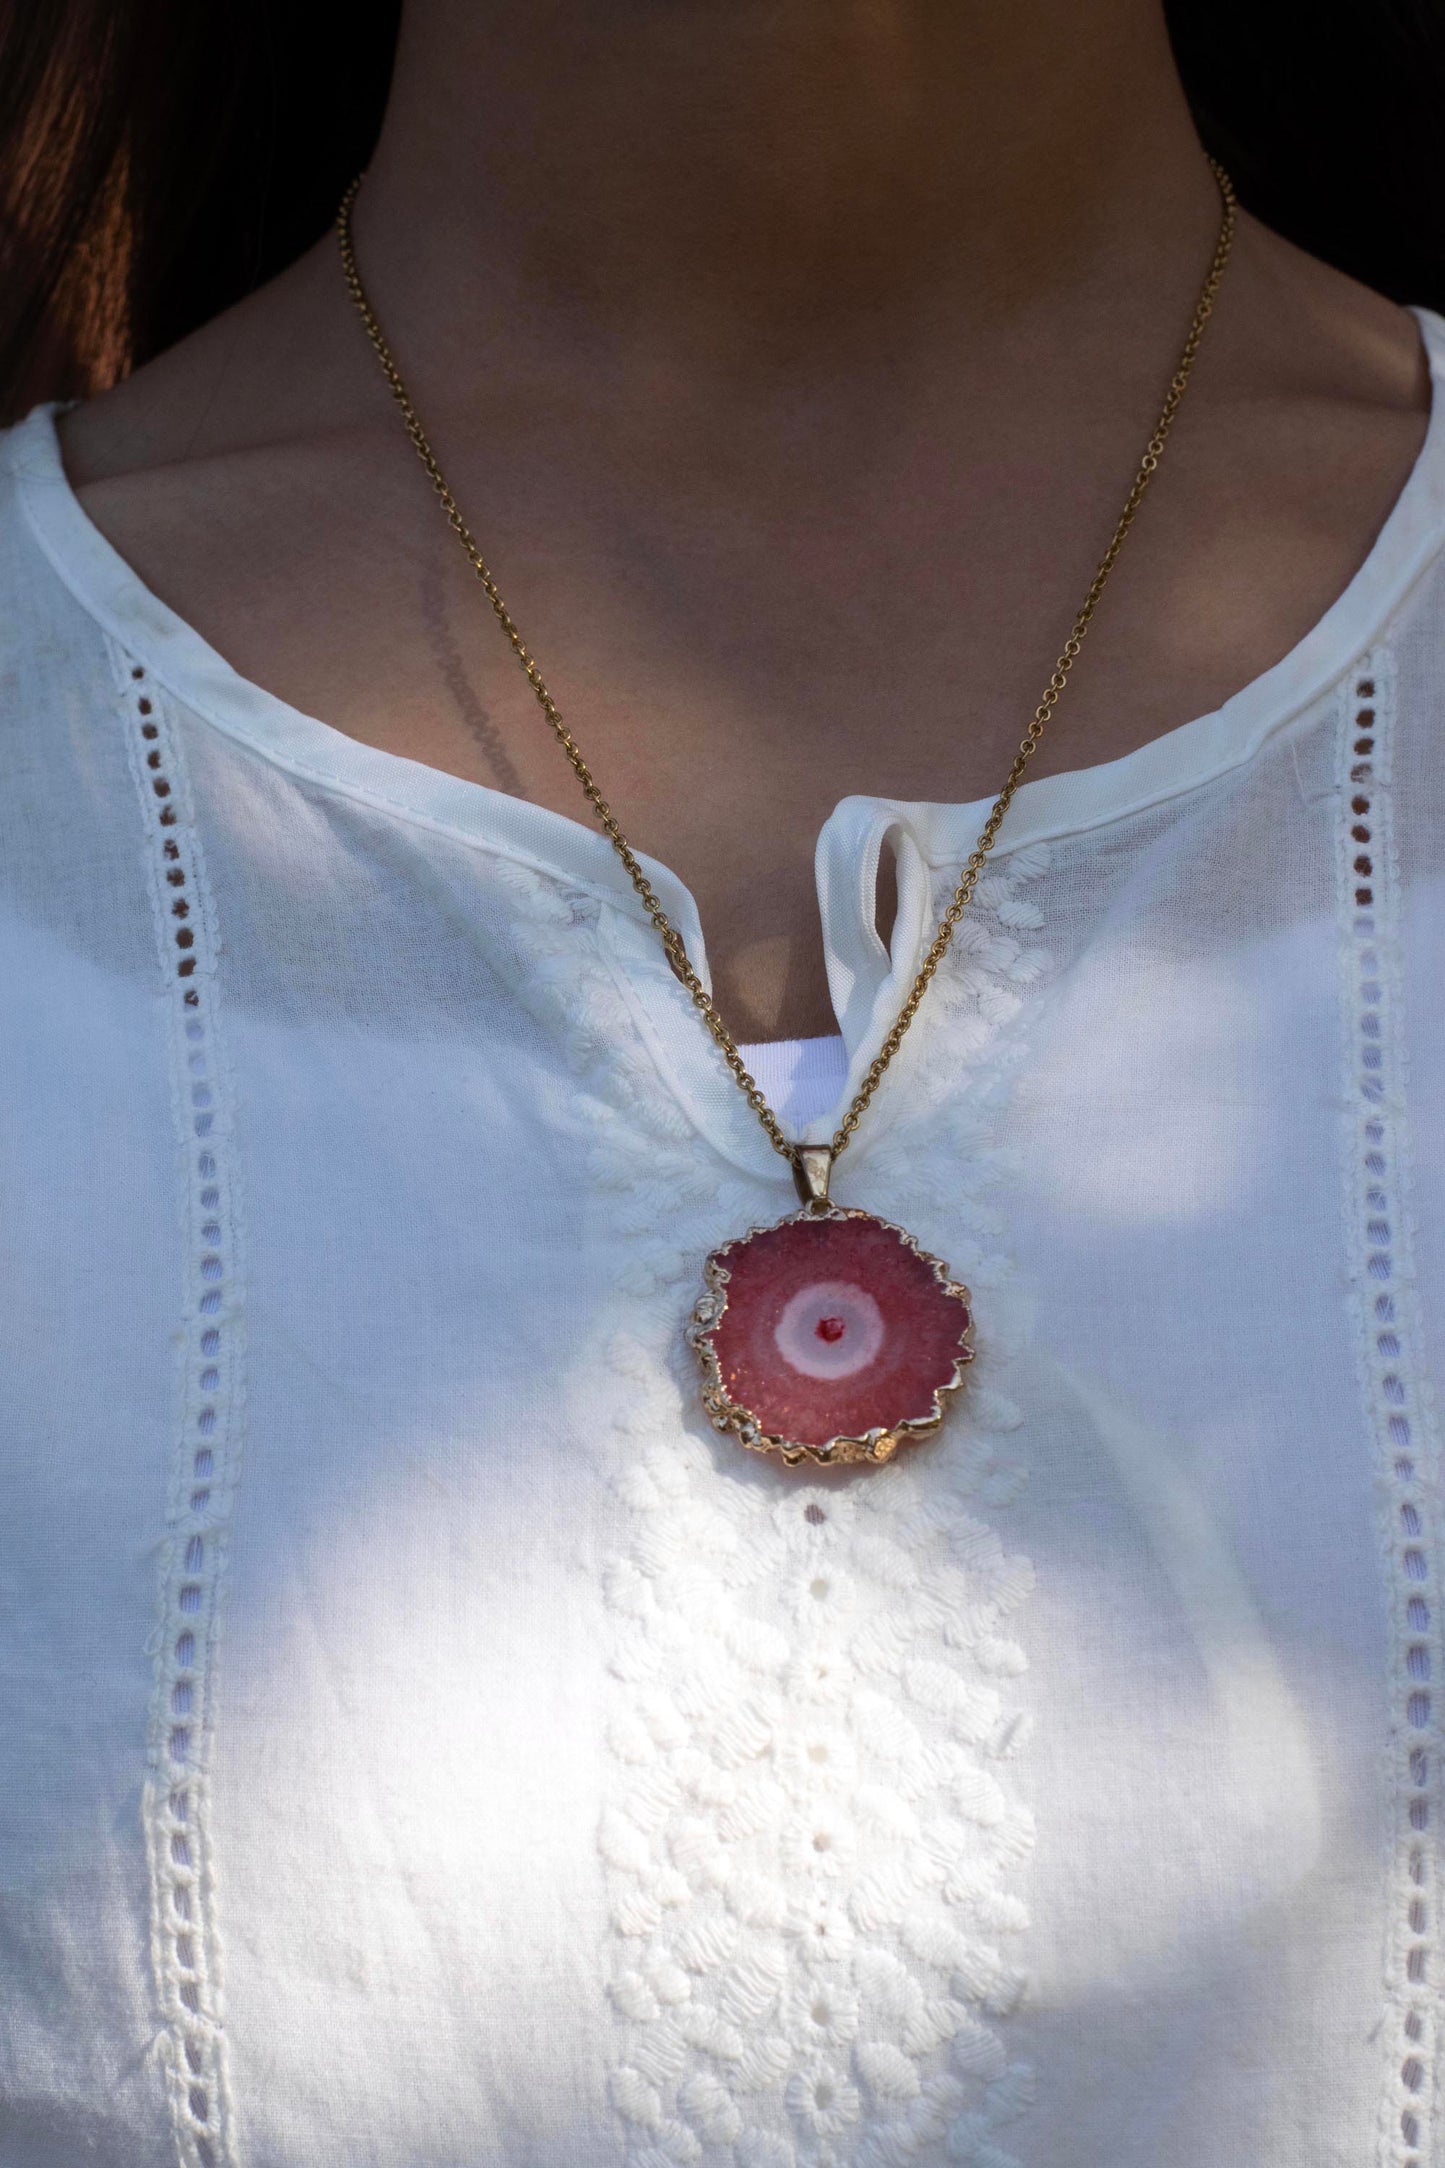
(226, 430)
(46, 631)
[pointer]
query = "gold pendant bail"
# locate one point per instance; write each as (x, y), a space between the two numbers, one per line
(812, 1172)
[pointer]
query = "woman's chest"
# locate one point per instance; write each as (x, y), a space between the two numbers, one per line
(519, 1770)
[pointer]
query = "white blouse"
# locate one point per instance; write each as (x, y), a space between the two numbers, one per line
(424, 1741)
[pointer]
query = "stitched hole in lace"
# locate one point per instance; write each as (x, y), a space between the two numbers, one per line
(814, 1512)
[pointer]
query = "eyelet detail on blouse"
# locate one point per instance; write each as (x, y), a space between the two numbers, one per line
(184, 1941)
(1398, 1412)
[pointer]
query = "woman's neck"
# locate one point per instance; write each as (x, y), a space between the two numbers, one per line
(754, 197)
(791, 360)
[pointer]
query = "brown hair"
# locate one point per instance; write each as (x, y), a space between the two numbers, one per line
(159, 158)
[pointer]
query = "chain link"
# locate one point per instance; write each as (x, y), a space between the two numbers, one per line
(672, 940)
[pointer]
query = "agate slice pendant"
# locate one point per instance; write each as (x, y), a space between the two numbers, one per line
(831, 1336)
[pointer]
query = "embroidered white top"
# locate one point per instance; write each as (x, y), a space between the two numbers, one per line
(423, 1740)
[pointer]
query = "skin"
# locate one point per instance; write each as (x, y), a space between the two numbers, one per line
(791, 360)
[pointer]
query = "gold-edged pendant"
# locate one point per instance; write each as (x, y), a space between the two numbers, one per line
(831, 1336)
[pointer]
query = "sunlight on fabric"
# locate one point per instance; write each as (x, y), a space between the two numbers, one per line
(1145, 1134)
(1274, 1786)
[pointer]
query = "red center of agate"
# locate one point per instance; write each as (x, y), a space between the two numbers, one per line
(844, 1317)
(835, 1327)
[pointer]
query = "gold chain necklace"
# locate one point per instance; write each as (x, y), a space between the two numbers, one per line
(831, 1336)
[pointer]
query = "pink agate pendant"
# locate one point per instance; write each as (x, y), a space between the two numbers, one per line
(831, 1336)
